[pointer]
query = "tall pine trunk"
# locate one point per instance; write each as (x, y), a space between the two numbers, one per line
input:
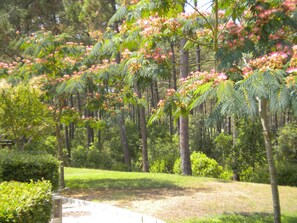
(235, 169)
(60, 154)
(124, 140)
(143, 131)
(269, 152)
(184, 119)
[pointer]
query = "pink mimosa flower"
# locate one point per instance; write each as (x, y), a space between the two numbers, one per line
(292, 70)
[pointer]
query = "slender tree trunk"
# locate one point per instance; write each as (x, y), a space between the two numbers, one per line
(153, 103)
(170, 116)
(200, 108)
(184, 119)
(184, 146)
(157, 99)
(67, 141)
(143, 132)
(78, 102)
(272, 170)
(99, 143)
(71, 126)
(124, 141)
(60, 154)
(174, 67)
(198, 58)
(235, 170)
(174, 78)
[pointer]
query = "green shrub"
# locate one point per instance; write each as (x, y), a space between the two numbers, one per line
(91, 157)
(159, 166)
(24, 167)
(258, 174)
(201, 166)
(25, 202)
(119, 166)
(79, 157)
(287, 142)
(287, 174)
(163, 149)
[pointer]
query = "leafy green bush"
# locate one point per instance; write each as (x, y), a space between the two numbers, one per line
(287, 174)
(201, 166)
(91, 157)
(79, 157)
(163, 149)
(25, 202)
(287, 142)
(159, 166)
(24, 166)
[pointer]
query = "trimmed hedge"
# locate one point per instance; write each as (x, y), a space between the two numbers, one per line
(24, 167)
(25, 202)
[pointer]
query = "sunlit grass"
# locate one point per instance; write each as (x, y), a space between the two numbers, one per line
(77, 178)
(240, 218)
(219, 201)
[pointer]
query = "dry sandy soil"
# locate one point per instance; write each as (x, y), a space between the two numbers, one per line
(205, 199)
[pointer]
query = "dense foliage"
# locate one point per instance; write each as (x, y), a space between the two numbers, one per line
(26, 167)
(202, 166)
(104, 70)
(25, 202)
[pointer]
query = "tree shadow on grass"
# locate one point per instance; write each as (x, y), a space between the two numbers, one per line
(106, 183)
(125, 189)
(246, 218)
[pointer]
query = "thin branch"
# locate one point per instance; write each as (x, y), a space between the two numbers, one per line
(7, 54)
(201, 14)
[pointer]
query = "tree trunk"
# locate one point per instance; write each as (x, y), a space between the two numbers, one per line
(143, 130)
(184, 119)
(71, 126)
(124, 141)
(184, 146)
(270, 159)
(60, 154)
(79, 102)
(173, 67)
(67, 141)
(235, 170)
(153, 103)
(198, 58)
(157, 99)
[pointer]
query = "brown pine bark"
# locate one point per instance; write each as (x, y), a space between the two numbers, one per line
(184, 119)
(60, 154)
(124, 141)
(143, 131)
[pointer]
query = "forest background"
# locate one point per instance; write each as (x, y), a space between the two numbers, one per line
(159, 86)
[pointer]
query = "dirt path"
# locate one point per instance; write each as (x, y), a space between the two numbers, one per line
(208, 199)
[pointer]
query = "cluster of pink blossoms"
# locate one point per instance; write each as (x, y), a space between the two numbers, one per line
(197, 79)
(157, 54)
(292, 70)
(276, 60)
(151, 25)
(290, 5)
(272, 61)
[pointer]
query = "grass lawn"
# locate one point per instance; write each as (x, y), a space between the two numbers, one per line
(183, 199)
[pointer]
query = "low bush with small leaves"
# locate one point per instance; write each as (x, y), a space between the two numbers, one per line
(159, 166)
(25, 202)
(201, 166)
(91, 157)
(24, 167)
(286, 173)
